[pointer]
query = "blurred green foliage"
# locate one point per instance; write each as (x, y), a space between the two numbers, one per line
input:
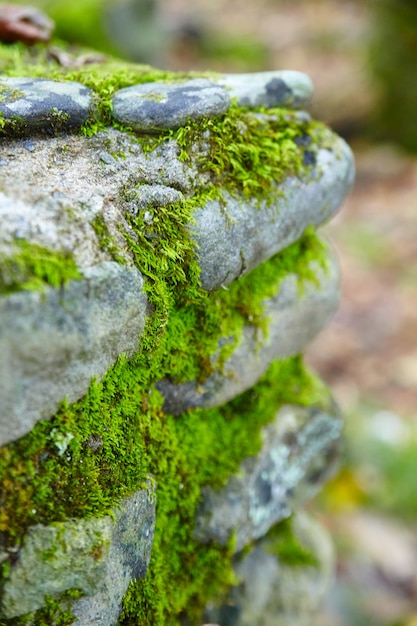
(393, 61)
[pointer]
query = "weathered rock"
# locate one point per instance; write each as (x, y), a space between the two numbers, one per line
(30, 105)
(296, 314)
(235, 235)
(159, 106)
(299, 452)
(271, 592)
(153, 196)
(98, 556)
(51, 196)
(284, 88)
(53, 342)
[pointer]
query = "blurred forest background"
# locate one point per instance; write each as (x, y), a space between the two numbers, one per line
(362, 57)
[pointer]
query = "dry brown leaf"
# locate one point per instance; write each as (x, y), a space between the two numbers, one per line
(26, 24)
(66, 59)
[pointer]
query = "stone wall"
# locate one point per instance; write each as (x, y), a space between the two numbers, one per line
(160, 274)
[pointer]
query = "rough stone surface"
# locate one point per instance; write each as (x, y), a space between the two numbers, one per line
(99, 556)
(294, 319)
(53, 189)
(284, 88)
(234, 236)
(153, 196)
(299, 452)
(37, 104)
(272, 593)
(159, 106)
(53, 342)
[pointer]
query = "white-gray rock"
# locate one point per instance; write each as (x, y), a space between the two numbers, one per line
(299, 452)
(30, 105)
(285, 88)
(296, 314)
(98, 556)
(158, 106)
(52, 343)
(153, 196)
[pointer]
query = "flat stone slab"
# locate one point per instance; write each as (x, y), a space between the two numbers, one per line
(285, 88)
(99, 556)
(299, 452)
(296, 314)
(30, 105)
(162, 106)
(235, 235)
(53, 342)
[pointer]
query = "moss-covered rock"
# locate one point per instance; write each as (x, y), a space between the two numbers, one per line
(166, 257)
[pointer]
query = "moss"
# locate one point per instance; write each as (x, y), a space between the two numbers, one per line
(247, 154)
(13, 125)
(34, 267)
(204, 446)
(56, 612)
(283, 543)
(9, 94)
(106, 240)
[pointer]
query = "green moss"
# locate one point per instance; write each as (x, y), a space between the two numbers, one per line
(106, 240)
(34, 267)
(283, 543)
(13, 125)
(246, 153)
(9, 94)
(39, 484)
(56, 612)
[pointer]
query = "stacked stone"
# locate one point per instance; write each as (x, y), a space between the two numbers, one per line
(56, 187)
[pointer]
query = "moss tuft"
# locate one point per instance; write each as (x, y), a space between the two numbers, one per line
(35, 267)
(284, 544)
(56, 612)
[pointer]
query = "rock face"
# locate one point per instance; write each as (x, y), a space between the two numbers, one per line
(299, 449)
(121, 257)
(234, 237)
(97, 556)
(69, 334)
(273, 592)
(296, 314)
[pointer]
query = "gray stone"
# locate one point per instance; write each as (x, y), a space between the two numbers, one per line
(50, 196)
(35, 104)
(235, 235)
(299, 452)
(273, 593)
(285, 88)
(296, 314)
(128, 560)
(153, 196)
(159, 106)
(98, 556)
(53, 342)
